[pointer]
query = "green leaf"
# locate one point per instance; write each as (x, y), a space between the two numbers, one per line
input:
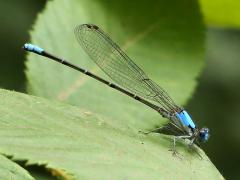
(10, 170)
(72, 142)
(102, 139)
(165, 38)
(222, 13)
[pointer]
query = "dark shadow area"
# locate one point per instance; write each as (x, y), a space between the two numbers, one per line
(216, 102)
(38, 172)
(17, 18)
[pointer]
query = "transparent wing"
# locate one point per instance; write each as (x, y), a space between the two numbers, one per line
(119, 67)
(171, 129)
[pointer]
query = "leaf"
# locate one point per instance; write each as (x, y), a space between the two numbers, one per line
(72, 142)
(102, 139)
(165, 38)
(10, 170)
(222, 13)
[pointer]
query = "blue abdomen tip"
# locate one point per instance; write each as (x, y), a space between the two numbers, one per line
(32, 48)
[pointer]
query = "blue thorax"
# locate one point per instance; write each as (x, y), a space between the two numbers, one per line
(185, 119)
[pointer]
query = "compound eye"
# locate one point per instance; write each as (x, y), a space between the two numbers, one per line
(204, 134)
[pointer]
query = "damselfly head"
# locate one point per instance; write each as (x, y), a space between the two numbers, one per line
(204, 134)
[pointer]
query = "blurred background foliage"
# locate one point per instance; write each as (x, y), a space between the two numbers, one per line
(216, 100)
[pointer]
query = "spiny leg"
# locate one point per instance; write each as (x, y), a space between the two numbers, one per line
(191, 147)
(174, 151)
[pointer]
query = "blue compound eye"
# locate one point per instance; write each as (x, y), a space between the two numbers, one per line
(204, 134)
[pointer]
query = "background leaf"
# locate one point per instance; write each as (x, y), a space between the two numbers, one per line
(71, 142)
(223, 13)
(164, 37)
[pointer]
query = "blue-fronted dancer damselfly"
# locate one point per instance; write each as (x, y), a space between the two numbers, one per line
(130, 80)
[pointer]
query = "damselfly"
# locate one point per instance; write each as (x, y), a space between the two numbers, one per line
(131, 80)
